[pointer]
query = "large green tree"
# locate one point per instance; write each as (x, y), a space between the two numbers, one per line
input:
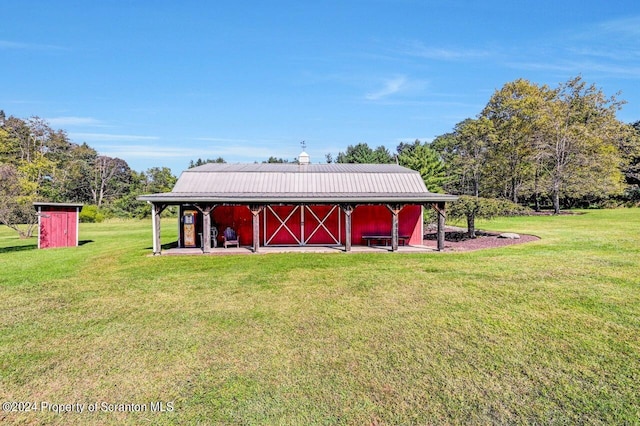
(16, 206)
(273, 159)
(363, 153)
(201, 162)
(27, 172)
(532, 143)
(420, 157)
(630, 149)
(514, 112)
(110, 179)
(464, 152)
(76, 175)
(471, 207)
(154, 180)
(40, 163)
(578, 144)
(54, 168)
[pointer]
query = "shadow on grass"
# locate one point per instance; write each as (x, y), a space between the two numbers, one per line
(173, 244)
(456, 236)
(18, 248)
(34, 246)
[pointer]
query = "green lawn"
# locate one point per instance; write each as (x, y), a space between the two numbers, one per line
(545, 332)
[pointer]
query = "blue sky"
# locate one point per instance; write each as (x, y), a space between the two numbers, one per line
(159, 83)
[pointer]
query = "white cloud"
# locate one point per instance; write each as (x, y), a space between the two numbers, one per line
(418, 49)
(110, 137)
(222, 140)
(5, 44)
(578, 67)
(603, 53)
(144, 151)
(391, 87)
(607, 49)
(244, 152)
(74, 121)
(625, 26)
(228, 152)
(241, 150)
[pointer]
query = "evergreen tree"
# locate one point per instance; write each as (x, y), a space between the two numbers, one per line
(201, 162)
(426, 161)
(362, 153)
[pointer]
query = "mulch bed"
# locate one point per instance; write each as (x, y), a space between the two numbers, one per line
(460, 241)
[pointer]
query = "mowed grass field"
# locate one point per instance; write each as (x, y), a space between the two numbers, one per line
(546, 332)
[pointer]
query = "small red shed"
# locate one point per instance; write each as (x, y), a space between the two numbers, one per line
(57, 224)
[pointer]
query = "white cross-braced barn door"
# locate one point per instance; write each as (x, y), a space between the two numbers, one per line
(302, 225)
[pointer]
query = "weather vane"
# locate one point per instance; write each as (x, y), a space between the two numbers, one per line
(303, 144)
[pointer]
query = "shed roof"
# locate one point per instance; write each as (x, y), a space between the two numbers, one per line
(48, 204)
(294, 183)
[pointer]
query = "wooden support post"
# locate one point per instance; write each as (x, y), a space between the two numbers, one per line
(206, 231)
(440, 208)
(394, 232)
(348, 209)
(156, 210)
(206, 225)
(155, 230)
(395, 210)
(302, 209)
(255, 211)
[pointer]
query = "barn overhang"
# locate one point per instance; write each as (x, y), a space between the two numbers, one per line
(256, 207)
(172, 198)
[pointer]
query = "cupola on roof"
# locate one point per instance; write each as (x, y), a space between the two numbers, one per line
(303, 158)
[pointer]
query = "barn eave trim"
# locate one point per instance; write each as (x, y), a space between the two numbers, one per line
(173, 198)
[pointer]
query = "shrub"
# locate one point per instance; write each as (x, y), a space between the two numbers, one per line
(91, 214)
(470, 208)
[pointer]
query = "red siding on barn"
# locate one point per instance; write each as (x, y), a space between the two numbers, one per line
(369, 220)
(410, 223)
(293, 225)
(376, 220)
(238, 218)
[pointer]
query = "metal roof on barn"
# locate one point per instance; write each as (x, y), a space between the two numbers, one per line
(296, 183)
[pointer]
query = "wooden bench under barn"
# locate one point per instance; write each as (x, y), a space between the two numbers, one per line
(385, 239)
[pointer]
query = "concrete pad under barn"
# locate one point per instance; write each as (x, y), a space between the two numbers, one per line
(305, 249)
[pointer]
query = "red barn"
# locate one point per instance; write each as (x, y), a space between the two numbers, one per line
(299, 205)
(57, 224)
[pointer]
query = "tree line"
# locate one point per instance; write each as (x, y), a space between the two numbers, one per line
(531, 145)
(38, 163)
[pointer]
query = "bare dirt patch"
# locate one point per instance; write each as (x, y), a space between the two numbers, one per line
(455, 240)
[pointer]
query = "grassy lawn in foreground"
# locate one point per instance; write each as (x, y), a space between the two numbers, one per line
(545, 332)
